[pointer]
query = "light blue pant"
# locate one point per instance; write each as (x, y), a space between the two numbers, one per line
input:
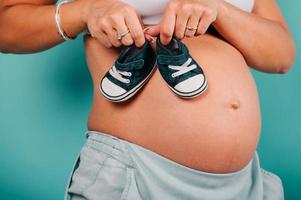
(109, 168)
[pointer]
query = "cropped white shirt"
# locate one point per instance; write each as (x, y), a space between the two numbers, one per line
(151, 10)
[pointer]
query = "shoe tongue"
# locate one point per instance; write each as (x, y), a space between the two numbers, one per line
(130, 53)
(130, 57)
(124, 57)
(173, 48)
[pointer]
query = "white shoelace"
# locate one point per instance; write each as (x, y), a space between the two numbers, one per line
(182, 69)
(117, 74)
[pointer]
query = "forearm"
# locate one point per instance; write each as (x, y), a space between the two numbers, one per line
(266, 45)
(29, 28)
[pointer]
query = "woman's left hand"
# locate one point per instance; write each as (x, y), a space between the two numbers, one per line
(185, 18)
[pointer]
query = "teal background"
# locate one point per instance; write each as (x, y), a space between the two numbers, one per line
(45, 99)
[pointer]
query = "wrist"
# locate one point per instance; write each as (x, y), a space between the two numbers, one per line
(84, 9)
(81, 10)
(221, 10)
(70, 19)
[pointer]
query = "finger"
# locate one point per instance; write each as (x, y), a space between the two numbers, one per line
(204, 23)
(103, 39)
(153, 30)
(193, 22)
(153, 44)
(149, 38)
(167, 26)
(105, 28)
(181, 22)
(97, 33)
(112, 35)
(120, 28)
(105, 25)
(140, 21)
(145, 28)
(134, 25)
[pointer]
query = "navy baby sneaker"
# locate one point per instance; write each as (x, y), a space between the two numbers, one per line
(179, 70)
(130, 71)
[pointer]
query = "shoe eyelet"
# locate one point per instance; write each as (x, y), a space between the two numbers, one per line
(130, 73)
(128, 81)
(172, 75)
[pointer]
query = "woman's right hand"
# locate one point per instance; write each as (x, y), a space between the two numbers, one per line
(106, 18)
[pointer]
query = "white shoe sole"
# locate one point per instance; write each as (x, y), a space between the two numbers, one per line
(193, 94)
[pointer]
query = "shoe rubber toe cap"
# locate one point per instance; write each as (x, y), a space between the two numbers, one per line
(111, 88)
(191, 84)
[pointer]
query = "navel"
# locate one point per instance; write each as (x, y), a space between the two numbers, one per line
(235, 104)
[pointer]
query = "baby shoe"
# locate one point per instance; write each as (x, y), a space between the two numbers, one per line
(130, 71)
(179, 70)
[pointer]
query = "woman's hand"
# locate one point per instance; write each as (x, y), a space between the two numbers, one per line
(106, 18)
(185, 18)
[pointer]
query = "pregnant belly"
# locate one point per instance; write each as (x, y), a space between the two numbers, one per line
(216, 132)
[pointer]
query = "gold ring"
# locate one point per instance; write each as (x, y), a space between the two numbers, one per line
(190, 28)
(121, 35)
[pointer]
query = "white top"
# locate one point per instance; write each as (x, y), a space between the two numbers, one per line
(151, 10)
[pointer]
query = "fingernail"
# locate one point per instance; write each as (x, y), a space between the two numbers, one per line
(150, 39)
(153, 40)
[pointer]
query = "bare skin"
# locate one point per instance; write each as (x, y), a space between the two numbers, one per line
(216, 132)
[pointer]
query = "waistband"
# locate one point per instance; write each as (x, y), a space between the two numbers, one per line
(124, 151)
(109, 144)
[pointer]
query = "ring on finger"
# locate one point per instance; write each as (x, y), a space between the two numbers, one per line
(191, 28)
(121, 35)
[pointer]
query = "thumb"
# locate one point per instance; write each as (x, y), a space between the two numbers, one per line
(153, 30)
